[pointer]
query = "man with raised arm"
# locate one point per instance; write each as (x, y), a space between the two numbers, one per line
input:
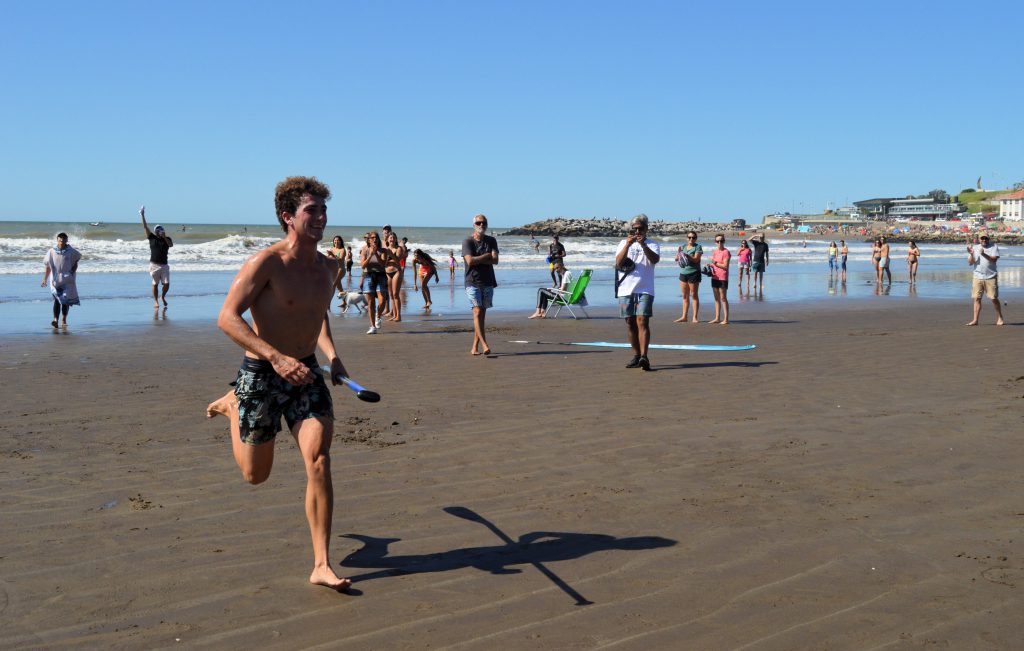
(287, 288)
(760, 262)
(159, 269)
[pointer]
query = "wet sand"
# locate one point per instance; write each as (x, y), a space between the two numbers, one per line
(852, 483)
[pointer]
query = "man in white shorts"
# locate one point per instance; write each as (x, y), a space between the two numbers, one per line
(159, 270)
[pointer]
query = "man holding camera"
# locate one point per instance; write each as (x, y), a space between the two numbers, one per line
(635, 260)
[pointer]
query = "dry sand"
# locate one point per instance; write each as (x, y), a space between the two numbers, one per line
(853, 483)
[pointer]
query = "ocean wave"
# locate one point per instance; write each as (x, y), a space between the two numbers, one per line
(24, 255)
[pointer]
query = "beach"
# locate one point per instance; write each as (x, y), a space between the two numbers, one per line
(853, 482)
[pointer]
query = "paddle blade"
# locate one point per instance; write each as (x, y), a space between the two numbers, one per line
(362, 392)
(464, 513)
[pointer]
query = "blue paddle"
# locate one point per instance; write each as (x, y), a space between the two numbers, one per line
(362, 392)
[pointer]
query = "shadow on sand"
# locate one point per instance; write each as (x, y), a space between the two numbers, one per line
(534, 549)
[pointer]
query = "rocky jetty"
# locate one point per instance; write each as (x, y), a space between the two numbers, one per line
(569, 227)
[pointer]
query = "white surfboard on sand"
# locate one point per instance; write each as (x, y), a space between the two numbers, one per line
(616, 344)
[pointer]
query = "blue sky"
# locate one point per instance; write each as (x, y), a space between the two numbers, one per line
(425, 113)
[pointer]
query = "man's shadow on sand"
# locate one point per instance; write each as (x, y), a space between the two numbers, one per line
(535, 548)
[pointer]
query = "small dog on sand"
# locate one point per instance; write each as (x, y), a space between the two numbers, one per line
(352, 298)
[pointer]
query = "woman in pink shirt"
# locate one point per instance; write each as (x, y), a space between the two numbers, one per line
(720, 280)
(744, 255)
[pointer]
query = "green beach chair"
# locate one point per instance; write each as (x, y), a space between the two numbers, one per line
(573, 296)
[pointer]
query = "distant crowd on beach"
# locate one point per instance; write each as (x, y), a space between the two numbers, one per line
(384, 256)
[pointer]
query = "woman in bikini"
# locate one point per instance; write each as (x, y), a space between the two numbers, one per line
(451, 264)
(913, 253)
(427, 268)
(876, 254)
(337, 251)
(372, 260)
(393, 269)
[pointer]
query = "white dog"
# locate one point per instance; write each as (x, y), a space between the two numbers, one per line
(352, 298)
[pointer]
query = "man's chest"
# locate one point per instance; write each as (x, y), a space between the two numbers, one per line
(480, 247)
(302, 288)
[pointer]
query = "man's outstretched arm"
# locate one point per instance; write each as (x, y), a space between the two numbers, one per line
(142, 213)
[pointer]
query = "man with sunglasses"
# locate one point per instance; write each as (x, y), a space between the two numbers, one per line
(636, 289)
(986, 278)
(480, 252)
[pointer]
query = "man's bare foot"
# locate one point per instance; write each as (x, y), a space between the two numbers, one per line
(535, 315)
(53, 323)
(165, 301)
(223, 405)
(325, 576)
(156, 306)
(724, 323)
(713, 321)
(999, 322)
(972, 323)
(681, 319)
(695, 320)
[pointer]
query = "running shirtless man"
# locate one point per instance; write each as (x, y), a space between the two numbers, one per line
(287, 288)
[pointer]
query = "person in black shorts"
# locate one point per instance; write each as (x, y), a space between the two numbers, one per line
(287, 290)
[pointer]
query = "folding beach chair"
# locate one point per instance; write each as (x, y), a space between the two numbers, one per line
(573, 296)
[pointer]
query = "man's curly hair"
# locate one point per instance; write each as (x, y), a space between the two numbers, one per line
(289, 193)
